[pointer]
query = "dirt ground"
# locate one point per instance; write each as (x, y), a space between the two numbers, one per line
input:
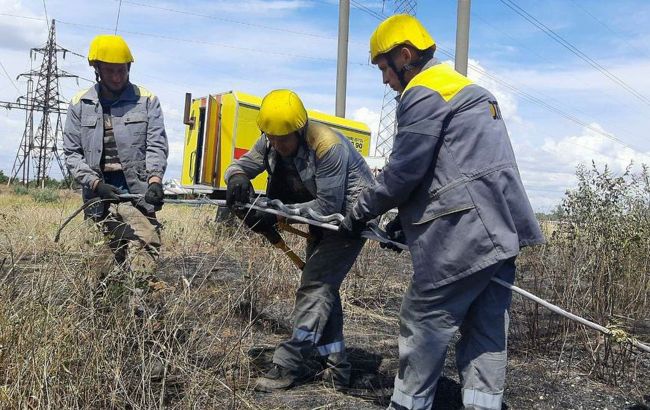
(534, 381)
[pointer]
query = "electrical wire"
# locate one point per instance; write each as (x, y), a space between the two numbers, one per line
(9, 77)
(367, 10)
(47, 19)
(610, 29)
(535, 100)
(538, 101)
(23, 17)
(117, 20)
(194, 41)
(523, 94)
(574, 50)
(542, 58)
(227, 20)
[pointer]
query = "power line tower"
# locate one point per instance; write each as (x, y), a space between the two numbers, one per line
(39, 146)
(387, 122)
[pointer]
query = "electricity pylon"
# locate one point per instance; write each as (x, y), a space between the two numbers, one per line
(39, 146)
(387, 122)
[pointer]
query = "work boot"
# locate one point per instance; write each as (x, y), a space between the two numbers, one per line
(337, 371)
(281, 378)
(333, 379)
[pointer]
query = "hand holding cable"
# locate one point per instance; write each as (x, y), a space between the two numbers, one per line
(107, 192)
(239, 189)
(155, 194)
(395, 233)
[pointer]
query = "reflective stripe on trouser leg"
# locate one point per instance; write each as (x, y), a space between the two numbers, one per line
(429, 317)
(328, 349)
(481, 351)
(475, 399)
(422, 350)
(332, 338)
(317, 299)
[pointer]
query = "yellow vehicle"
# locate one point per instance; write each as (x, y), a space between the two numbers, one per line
(222, 127)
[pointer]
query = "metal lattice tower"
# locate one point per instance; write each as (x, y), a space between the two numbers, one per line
(39, 146)
(387, 123)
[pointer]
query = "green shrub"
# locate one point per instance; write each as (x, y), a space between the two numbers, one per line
(45, 195)
(20, 189)
(595, 264)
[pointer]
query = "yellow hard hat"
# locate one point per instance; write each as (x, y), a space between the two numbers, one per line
(109, 48)
(396, 30)
(281, 113)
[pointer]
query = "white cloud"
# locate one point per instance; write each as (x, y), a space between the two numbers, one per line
(20, 33)
(370, 118)
(591, 145)
(549, 169)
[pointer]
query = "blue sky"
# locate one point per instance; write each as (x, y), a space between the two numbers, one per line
(255, 46)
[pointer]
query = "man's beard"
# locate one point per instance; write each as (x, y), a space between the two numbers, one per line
(115, 92)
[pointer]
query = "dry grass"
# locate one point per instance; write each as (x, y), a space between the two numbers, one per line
(64, 346)
(202, 339)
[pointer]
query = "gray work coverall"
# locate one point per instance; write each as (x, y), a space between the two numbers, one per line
(142, 149)
(464, 211)
(333, 173)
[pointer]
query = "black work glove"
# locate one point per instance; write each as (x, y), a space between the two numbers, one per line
(155, 194)
(395, 233)
(239, 189)
(352, 226)
(107, 192)
(260, 222)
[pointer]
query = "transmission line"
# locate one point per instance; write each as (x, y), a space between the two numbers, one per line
(194, 41)
(227, 20)
(609, 28)
(573, 49)
(542, 58)
(368, 10)
(47, 20)
(9, 77)
(117, 20)
(538, 101)
(22, 17)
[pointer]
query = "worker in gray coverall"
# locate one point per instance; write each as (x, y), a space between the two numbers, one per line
(115, 142)
(309, 166)
(464, 212)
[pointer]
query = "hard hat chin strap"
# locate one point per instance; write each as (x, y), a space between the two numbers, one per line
(424, 58)
(400, 73)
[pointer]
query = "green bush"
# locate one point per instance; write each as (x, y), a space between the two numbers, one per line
(20, 189)
(595, 264)
(45, 195)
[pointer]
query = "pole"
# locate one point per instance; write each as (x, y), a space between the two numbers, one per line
(462, 36)
(342, 60)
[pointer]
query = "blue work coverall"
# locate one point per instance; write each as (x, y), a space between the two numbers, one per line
(453, 177)
(142, 148)
(332, 173)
